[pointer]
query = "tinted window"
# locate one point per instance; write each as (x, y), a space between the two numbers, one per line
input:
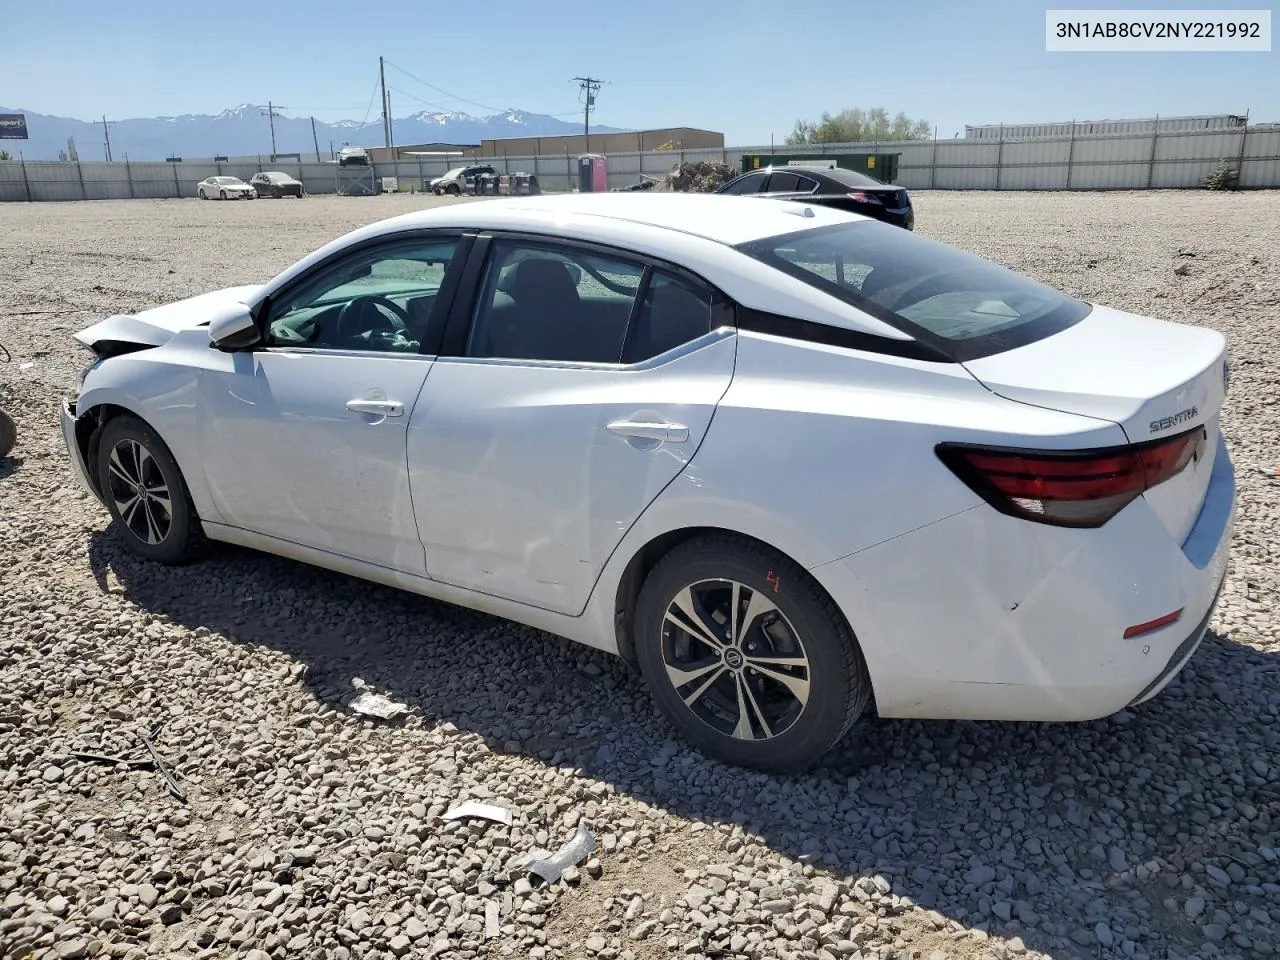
(806, 184)
(553, 303)
(379, 299)
(674, 311)
(783, 183)
(959, 303)
(751, 183)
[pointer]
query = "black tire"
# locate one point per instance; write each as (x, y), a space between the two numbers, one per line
(275, 193)
(144, 532)
(8, 434)
(453, 190)
(222, 194)
(793, 606)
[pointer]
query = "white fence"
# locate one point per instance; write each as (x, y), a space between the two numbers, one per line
(1122, 162)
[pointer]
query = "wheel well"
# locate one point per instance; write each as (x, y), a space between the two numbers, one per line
(89, 426)
(645, 560)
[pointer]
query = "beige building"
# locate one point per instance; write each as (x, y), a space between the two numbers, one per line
(669, 138)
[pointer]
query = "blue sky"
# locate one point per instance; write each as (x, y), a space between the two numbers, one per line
(746, 68)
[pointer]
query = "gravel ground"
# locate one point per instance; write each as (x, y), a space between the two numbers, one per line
(313, 832)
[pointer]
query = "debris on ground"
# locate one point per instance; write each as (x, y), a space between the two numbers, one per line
(552, 866)
(482, 811)
(153, 761)
(702, 177)
(372, 704)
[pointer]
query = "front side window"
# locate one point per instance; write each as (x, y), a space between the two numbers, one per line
(960, 304)
(381, 299)
(751, 183)
(783, 183)
(544, 302)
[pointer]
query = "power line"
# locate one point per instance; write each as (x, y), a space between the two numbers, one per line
(454, 96)
(589, 86)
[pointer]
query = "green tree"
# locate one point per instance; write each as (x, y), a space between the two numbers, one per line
(5, 155)
(856, 125)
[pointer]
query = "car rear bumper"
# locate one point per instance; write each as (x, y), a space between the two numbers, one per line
(78, 466)
(986, 617)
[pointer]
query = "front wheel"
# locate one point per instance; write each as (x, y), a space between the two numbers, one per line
(145, 493)
(200, 194)
(453, 190)
(222, 194)
(746, 655)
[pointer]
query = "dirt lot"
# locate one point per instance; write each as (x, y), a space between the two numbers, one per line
(312, 832)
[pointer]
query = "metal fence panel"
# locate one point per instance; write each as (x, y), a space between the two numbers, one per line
(1189, 146)
(1135, 149)
(1182, 175)
(968, 177)
(1260, 173)
(1039, 177)
(1109, 176)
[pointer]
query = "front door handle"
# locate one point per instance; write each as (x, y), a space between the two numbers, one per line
(377, 408)
(642, 430)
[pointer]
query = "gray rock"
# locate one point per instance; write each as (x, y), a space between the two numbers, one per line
(979, 875)
(1194, 906)
(52, 774)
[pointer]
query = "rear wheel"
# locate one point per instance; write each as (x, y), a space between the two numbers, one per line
(746, 655)
(145, 493)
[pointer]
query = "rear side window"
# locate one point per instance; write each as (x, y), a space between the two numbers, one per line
(544, 302)
(961, 305)
(674, 311)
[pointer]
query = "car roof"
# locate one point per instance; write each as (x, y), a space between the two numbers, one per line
(723, 219)
(847, 178)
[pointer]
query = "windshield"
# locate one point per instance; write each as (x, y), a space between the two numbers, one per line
(455, 172)
(961, 305)
(227, 181)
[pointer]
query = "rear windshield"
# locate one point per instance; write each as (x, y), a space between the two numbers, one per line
(959, 304)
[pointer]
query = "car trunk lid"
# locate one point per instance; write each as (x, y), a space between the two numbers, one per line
(1154, 379)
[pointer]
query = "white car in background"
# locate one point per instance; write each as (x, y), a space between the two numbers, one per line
(792, 461)
(225, 188)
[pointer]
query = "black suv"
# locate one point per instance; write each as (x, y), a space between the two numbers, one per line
(845, 189)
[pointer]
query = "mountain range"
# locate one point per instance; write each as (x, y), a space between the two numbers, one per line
(244, 131)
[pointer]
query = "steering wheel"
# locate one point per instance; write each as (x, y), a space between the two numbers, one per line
(362, 315)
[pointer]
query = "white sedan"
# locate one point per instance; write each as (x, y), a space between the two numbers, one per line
(225, 188)
(791, 461)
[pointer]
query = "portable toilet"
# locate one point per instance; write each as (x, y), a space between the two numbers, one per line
(593, 176)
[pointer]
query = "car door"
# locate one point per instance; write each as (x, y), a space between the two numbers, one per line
(575, 384)
(304, 436)
(751, 183)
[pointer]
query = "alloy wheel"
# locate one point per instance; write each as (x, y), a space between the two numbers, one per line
(735, 660)
(139, 492)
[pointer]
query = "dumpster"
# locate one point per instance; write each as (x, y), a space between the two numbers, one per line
(593, 175)
(881, 166)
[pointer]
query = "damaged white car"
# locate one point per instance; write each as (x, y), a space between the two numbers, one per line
(791, 461)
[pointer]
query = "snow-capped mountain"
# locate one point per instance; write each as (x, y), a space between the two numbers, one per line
(243, 131)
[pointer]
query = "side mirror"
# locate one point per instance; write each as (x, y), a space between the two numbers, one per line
(234, 331)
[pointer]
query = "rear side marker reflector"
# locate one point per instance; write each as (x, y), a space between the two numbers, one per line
(1138, 629)
(1081, 488)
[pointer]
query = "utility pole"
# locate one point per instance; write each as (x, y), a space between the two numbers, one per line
(589, 86)
(386, 113)
(106, 137)
(391, 130)
(314, 140)
(271, 112)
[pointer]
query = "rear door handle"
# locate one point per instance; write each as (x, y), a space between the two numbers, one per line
(663, 432)
(377, 408)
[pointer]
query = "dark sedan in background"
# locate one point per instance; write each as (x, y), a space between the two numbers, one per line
(273, 183)
(844, 189)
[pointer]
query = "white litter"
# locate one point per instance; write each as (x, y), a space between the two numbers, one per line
(484, 811)
(372, 704)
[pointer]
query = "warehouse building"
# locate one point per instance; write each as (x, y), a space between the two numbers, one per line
(1102, 128)
(668, 138)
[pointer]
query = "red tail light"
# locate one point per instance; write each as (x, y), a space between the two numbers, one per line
(1083, 488)
(864, 197)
